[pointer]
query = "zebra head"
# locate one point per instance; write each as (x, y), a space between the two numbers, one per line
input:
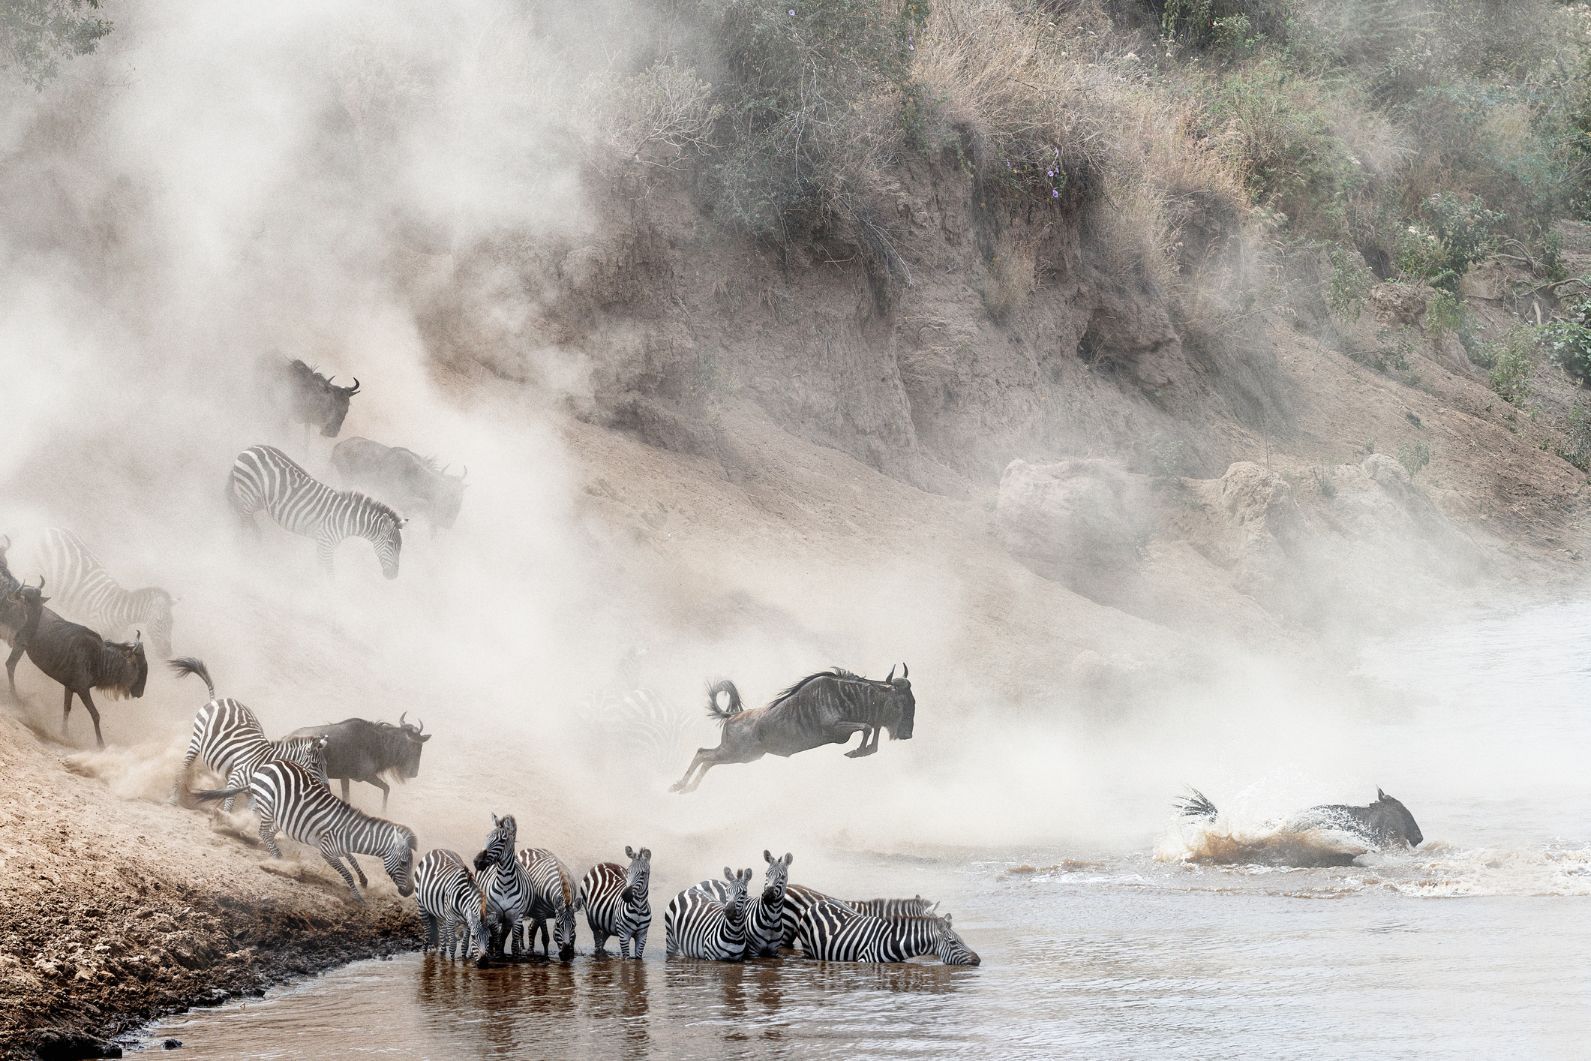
(563, 926)
(499, 848)
(154, 606)
(899, 697)
(735, 903)
(777, 878)
(398, 859)
(387, 537)
(638, 878)
(951, 948)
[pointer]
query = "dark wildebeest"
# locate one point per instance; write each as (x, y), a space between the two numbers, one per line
(823, 708)
(314, 400)
(21, 606)
(1384, 823)
(82, 661)
(357, 750)
(402, 478)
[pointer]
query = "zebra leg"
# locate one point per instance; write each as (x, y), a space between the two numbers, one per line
(325, 548)
(354, 862)
(639, 939)
(428, 922)
(330, 854)
(233, 780)
(599, 943)
(268, 836)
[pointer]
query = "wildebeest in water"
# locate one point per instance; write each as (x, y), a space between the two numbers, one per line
(402, 478)
(359, 750)
(1386, 823)
(313, 400)
(823, 708)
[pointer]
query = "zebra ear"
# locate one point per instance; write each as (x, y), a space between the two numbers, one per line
(629, 852)
(646, 853)
(767, 856)
(730, 874)
(788, 858)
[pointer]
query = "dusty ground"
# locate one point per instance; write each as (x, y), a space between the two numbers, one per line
(115, 911)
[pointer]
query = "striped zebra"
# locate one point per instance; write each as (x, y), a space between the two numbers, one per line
(835, 932)
(229, 739)
(290, 798)
(84, 592)
(263, 477)
(765, 914)
(617, 902)
(450, 900)
(916, 906)
(699, 925)
(552, 895)
(798, 898)
(638, 728)
(504, 884)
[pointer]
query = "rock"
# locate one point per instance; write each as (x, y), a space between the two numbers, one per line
(171, 1044)
(1081, 522)
(61, 1044)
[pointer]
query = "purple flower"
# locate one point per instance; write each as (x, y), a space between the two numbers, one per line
(1055, 193)
(792, 12)
(1050, 174)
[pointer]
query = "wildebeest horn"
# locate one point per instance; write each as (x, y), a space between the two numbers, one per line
(905, 671)
(41, 583)
(354, 389)
(401, 718)
(891, 676)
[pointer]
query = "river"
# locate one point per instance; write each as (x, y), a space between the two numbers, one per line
(1477, 944)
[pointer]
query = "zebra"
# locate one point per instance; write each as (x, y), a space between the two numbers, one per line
(85, 592)
(449, 898)
(230, 740)
(835, 932)
(765, 915)
(637, 727)
(698, 925)
(504, 883)
(552, 895)
(617, 903)
(916, 906)
(798, 898)
(263, 477)
(290, 798)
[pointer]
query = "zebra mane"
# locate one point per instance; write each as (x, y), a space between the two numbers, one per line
(381, 508)
(837, 673)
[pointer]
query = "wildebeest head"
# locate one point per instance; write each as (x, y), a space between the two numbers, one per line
(952, 949)
(1393, 819)
(499, 842)
(398, 859)
(413, 743)
(25, 602)
(777, 878)
(132, 668)
(900, 697)
(638, 877)
(319, 401)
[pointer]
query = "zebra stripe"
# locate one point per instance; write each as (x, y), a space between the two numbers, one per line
(552, 895)
(229, 739)
(888, 908)
(798, 899)
(289, 798)
(263, 477)
(832, 931)
(450, 899)
(638, 727)
(82, 590)
(617, 902)
(504, 882)
(698, 925)
(764, 915)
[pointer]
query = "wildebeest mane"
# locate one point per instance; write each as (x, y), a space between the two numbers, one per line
(839, 673)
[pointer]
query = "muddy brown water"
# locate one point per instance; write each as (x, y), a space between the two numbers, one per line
(1476, 945)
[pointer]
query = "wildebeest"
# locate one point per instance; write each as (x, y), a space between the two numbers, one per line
(314, 400)
(1384, 823)
(823, 708)
(359, 750)
(402, 478)
(82, 661)
(20, 606)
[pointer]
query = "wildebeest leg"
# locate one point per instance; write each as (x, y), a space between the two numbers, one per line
(11, 669)
(381, 785)
(329, 853)
(867, 746)
(93, 712)
(701, 757)
(66, 709)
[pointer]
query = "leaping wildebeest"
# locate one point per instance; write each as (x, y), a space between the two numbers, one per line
(1384, 823)
(402, 478)
(823, 708)
(82, 661)
(314, 400)
(359, 750)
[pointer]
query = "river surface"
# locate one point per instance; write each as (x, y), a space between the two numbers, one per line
(1476, 945)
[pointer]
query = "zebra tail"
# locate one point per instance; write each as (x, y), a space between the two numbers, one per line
(186, 665)
(723, 714)
(1197, 805)
(209, 795)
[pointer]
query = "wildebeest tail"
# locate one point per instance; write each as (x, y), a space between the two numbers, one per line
(1197, 805)
(186, 665)
(723, 714)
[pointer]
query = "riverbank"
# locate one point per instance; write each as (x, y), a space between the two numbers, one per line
(116, 911)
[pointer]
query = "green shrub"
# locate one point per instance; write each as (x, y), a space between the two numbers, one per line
(36, 36)
(1450, 236)
(1511, 369)
(1568, 345)
(1414, 456)
(1576, 448)
(1444, 314)
(1350, 283)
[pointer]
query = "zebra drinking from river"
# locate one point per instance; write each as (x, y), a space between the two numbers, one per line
(552, 895)
(697, 924)
(617, 903)
(229, 739)
(835, 932)
(263, 477)
(504, 882)
(85, 592)
(450, 899)
(290, 798)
